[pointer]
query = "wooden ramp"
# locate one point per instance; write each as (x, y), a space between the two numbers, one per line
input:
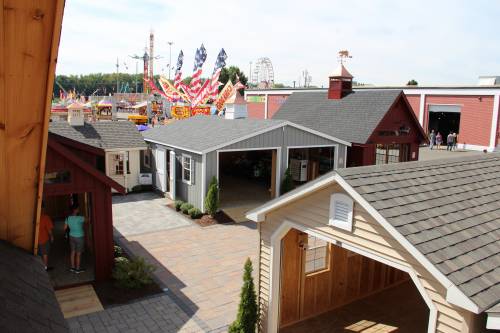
(78, 301)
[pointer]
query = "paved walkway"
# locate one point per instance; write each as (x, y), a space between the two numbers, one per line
(426, 154)
(202, 269)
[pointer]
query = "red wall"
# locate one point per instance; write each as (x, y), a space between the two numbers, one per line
(475, 117)
(414, 101)
(256, 110)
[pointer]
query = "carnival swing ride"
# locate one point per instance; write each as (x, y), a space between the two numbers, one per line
(199, 96)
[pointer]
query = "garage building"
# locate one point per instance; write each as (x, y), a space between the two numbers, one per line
(248, 157)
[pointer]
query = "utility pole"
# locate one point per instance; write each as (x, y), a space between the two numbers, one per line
(117, 76)
(169, 58)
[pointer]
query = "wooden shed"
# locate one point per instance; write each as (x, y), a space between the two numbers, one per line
(408, 247)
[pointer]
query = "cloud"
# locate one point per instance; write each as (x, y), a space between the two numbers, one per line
(434, 42)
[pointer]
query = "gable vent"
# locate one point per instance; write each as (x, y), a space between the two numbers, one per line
(341, 211)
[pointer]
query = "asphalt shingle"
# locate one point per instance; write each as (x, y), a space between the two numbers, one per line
(102, 134)
(449, 210)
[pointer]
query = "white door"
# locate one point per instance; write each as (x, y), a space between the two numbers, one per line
(160, 161)
(171, 175)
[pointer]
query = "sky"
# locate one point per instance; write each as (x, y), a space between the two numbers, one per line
(391, 41)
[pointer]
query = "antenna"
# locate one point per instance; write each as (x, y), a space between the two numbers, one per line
(343, 56)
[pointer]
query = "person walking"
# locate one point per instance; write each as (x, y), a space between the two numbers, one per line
(455, 139)
(432, 139)
(45, 237)
(75, 223)
(449, 142)
(439, 140)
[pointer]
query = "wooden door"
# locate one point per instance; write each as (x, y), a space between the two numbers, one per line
(291, 277)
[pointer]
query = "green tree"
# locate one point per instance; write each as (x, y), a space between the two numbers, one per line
(412, 83)
(287, 184)
(246, 320)
(280, 85)
(230, 73)
(212, 198)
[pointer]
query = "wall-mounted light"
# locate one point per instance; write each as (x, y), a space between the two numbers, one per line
(480, 98)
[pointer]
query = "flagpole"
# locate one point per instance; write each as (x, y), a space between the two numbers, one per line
(169, 58)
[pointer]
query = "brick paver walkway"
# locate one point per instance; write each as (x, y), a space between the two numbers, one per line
(201, 267)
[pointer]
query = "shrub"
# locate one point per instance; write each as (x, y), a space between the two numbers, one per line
(246, 318)
(287, 184)
(132, 274)
(178, 204)
(195, 213)
(185, 207)
(212, 198)
(118, 251)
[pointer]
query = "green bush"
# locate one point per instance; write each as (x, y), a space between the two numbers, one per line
(185, 207)
(246, 319)
(287, 184)
(212, 198)
(178, 204)
(132, 274)
(118, 251)
(195, 213)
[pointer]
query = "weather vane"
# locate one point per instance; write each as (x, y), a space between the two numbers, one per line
(344, 55)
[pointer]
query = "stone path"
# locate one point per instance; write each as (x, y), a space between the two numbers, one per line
(201, 267)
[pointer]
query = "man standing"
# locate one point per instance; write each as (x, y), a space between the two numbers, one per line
(75, 224)
(432, 139)
(449, 142)
(45, 237)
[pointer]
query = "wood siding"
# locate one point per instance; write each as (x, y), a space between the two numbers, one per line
(313, 211)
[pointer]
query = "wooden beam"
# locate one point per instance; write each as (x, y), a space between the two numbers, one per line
(29, 43)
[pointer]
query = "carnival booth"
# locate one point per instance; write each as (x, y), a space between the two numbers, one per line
(104, 108)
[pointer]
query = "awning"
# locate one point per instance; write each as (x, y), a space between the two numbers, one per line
(140, 105)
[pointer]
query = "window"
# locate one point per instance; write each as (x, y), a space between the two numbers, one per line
(341, 207)
(118, 164)
(317, 255)
(128, 162)
(187, 169)
(147, 158)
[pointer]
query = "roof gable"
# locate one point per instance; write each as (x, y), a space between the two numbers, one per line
(352, 118)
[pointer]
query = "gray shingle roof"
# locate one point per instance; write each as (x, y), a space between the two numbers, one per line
(449, 210)
(352, 118)
(102, 134)
(27, 300)
(202, 133)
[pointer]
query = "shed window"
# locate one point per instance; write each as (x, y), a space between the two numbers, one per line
(187, 169)
(118, 164)
(147, 158)
(316, 255)
(341, 207)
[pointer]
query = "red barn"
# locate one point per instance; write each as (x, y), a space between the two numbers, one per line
(380, 124)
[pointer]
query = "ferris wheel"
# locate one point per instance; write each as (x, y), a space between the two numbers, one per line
(263, 74)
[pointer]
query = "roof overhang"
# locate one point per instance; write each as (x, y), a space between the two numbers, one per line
(493, 321)
(453, 294)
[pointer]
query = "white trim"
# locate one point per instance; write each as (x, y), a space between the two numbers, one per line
(451, 91)
(457, 297)
(493, 321)
(190, 182)
(266, 107)
(337, 223)
(278, 163)
(421, 110)
(124, 149)
(345, 158)
(171, 146)
(275, 271)
(335, 159)
(203, 180)
(494, 123)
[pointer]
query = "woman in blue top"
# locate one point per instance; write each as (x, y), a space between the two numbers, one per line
(75, 223)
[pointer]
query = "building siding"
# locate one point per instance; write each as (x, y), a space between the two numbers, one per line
(127, 180)
(414, 101)
(312, 212)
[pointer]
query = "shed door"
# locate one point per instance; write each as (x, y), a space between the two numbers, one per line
(160, 161)
(171, 175)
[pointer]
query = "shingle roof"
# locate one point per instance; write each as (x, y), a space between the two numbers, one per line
(449, 210)
(494, 309)
(27, 300)
(102, 134)
(201, 133)
(352, 118)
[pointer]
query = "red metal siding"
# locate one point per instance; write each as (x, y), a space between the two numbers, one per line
(414, 101)
(475, 117)
(255, 110)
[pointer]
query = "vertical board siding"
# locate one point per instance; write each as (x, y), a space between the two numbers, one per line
(312, 212)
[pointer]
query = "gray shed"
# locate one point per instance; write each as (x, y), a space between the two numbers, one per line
(248, 157)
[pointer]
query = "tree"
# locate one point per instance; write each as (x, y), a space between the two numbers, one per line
(280, 85)
(212, 198)
(412, 83)
(230, 73)
(246, 320)
(287, 184)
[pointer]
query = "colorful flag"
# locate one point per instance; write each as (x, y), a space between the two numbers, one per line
(219, 64)
(199, 60)
(178, 74)
(225, 93)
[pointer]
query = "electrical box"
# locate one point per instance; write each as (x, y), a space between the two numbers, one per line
(298, 169)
